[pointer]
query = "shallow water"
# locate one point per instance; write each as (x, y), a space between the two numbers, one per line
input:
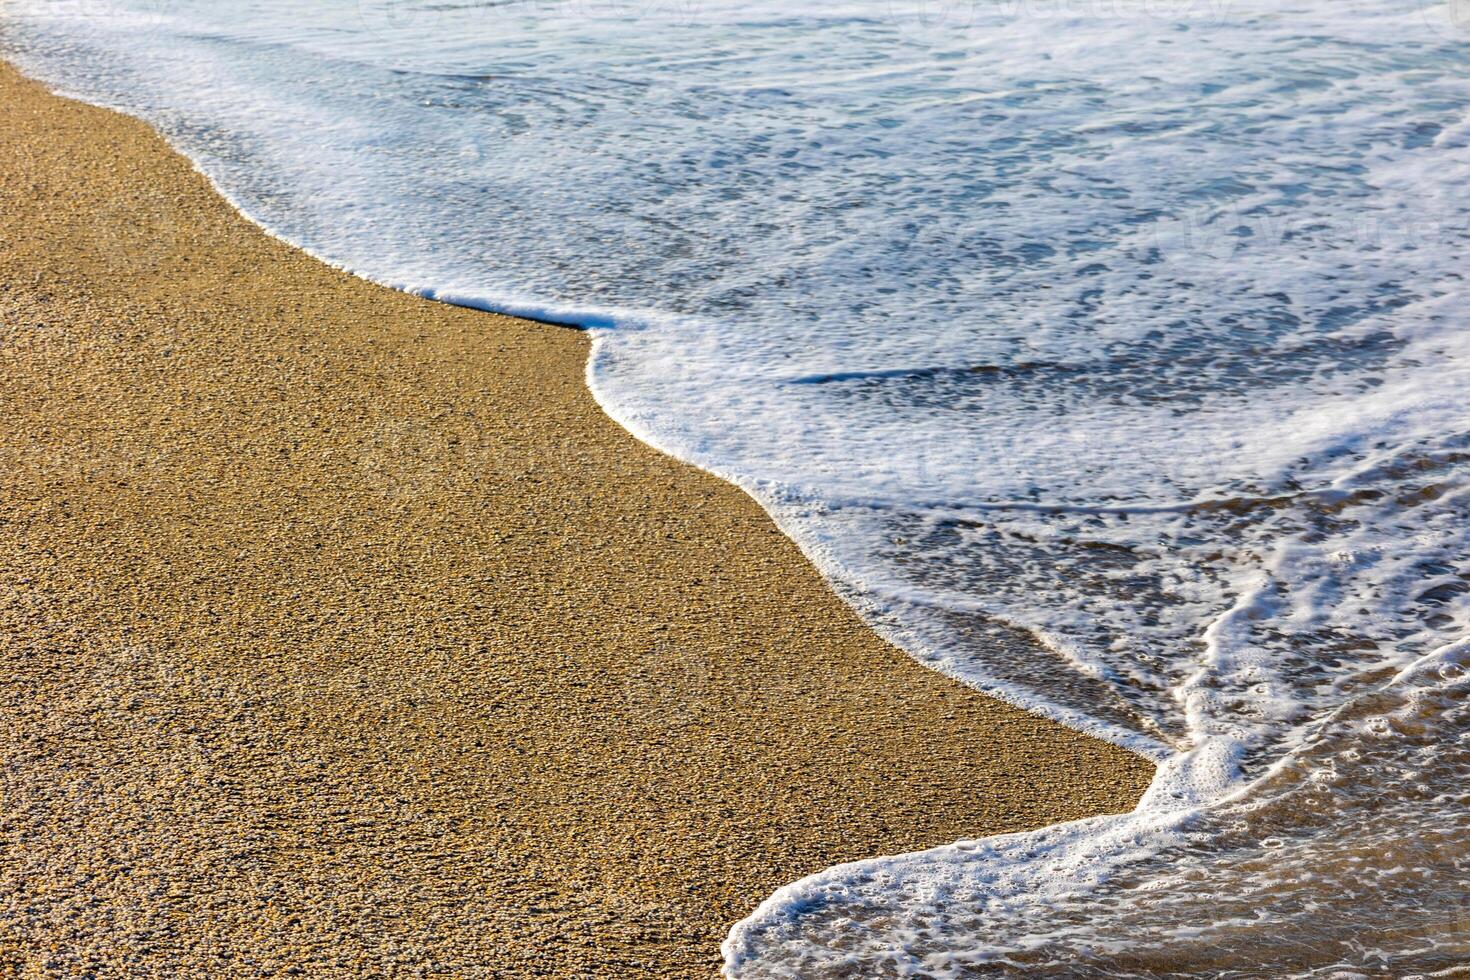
(1110, 356)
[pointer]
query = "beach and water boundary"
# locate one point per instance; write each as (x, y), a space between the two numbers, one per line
(346, 635)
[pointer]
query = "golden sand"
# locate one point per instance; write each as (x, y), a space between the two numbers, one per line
(343, 635)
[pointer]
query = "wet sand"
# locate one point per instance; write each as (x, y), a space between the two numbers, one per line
(344, 636)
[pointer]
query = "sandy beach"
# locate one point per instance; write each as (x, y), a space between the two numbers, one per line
(344, 636)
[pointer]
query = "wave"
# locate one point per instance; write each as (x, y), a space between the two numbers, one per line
(1107, 356)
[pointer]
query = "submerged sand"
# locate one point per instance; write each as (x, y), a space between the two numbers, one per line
(343, 635)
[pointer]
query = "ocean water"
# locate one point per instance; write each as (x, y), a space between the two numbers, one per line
(1112, 356)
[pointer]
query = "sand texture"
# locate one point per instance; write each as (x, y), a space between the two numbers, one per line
(344, 636)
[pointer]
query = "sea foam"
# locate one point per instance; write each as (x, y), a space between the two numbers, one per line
(1109, 356)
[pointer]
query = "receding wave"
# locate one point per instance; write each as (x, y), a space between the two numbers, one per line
(1110, 356)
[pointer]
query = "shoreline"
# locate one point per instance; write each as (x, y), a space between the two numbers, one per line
(345, 634)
